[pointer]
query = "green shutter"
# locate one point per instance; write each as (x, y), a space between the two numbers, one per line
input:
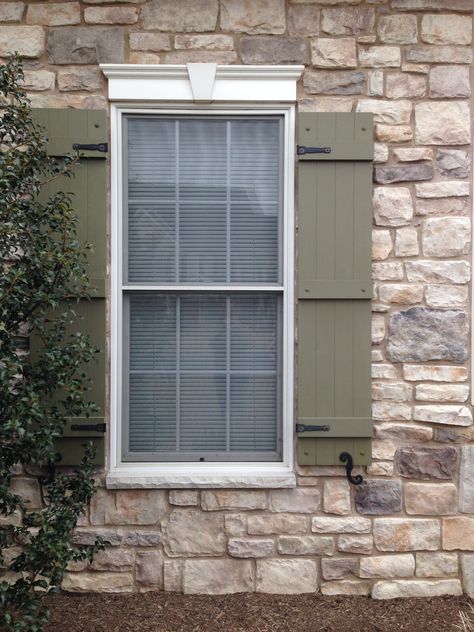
(89, 186)
(334, 288)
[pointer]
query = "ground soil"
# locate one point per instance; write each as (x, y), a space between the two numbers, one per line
(172, 612)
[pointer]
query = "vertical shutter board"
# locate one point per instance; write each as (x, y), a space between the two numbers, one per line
(89, 189)
(334, 311)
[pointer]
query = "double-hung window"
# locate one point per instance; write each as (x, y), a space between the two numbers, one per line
(202, 275)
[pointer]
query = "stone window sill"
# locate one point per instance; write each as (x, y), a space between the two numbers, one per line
(236, 478)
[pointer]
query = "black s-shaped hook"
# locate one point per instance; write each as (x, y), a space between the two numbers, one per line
(346, 458)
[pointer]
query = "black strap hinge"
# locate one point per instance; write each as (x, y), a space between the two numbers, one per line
(306, 428)
(104, 147)
(101, 427)
(302, 149)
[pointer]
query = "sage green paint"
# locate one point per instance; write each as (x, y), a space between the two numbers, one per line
(334, 268)
(89, 189)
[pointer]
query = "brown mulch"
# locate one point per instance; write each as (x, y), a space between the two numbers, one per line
(172, 612)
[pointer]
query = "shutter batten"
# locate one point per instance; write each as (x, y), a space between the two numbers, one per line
(64, 127)
(334, 291)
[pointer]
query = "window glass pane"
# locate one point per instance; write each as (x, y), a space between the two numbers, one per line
(253, 410)
(203, 200)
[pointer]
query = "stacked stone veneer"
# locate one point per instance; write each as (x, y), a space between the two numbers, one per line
(409, 530)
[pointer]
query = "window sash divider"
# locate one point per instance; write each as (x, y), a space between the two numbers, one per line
(183, 288)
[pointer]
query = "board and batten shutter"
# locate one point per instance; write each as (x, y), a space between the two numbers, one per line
(334, 287)
(63, 127)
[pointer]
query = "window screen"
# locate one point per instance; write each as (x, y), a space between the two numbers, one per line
(202, 291)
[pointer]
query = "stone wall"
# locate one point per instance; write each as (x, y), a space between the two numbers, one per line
(409, 530)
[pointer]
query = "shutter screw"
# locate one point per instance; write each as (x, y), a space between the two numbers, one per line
(306, 289)
(363, 129)
(306, 452)
(96, 125)
(308, 129)
(362, 289)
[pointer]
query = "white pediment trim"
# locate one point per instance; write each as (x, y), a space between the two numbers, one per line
(201, 82)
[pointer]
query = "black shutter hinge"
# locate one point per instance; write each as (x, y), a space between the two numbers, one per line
(305, 428)
(101, 427)
(104, 147)
(302, 149)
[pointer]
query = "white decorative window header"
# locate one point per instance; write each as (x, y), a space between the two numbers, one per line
(201, 83)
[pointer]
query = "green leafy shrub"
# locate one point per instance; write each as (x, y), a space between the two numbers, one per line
(43, 276)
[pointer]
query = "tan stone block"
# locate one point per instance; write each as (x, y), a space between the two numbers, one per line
(458, 533)
(339, 568)
(412, 154)
(113, 559)
(173, 575)
(184, 497)
(295, 500)
(380, 153)
(138, 507)
(402, 85)
(305, 545)
(387, 271)
(340, 525)
(391, 411)
(140, 537)
(231, 499)
(387, 566)
(403, 432)
(201, 56)
(149, 569)
(286, 577)
(27, 41)
(337, 497)
(436, 564)
(250, 548)
(378, 329)
(406, 242)
(431, 499)
(14, 519)
(98, 582)
(466, 479)
(439, 54)
(395, 391)
(29, 491)
(135, 57)
(80, 78)
(375, 83)
(380, 469)
(38, 80)
(77, 101)
(111, 537)
(442, 206)
(467, 564)
(438, 272)
(376, 355)
(402, 534)
(54, 14)
(446, 237)
(154, 42)
(416, 588)
(381, 244)
(303, 20)
(442, 392)
(253, 16)
(442, 123)
(400, 293)
(391, 112)
(421, 68)
(277, 524)
(445, 188)
(235, 524)
(393, 133)
(446, 29)
(111, 15)
(185, 16)
(393, 206)
(345, 587)
(397, 29)
(443, 414)
(358, 544)
(380, 57)
(325, 104)
(11, 11)
(204, 42)
(190, 533)
(334, 53)
(217, 577)
(450, 81)
(348, 21)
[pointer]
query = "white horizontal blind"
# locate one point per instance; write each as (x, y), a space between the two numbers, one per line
(204, 368)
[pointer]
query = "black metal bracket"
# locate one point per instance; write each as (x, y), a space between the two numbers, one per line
(305, 428)
(88, 427)
(346, 458)
(302, 149)
(104, 147)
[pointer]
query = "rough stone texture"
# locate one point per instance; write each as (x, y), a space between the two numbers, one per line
(438, 272)
(348, 21)
(406, 242)
(403, 534)
(397, 29)
(231, 499)
(204, 42)
(458, 533)
(380, 153)
(128, 507)
(436, 564)
(393, 133)
(378, 497)
(305, 545)
(378, 329)
(57, 14)
(235, 524)
(184, 497)
(466, 480)
(467, 565)
(273, 50)
(453, 163)
(113, 559)
(27, 41)
(416, 588)
(392, 206)
(375, 83)
(438, 5)
(446, 237)
(427, 463)
(217, 577)
(387, 271)
(403, 173)
(303, 20)
(442, 123)
(442, 392)
(442, 189)
(111, 537)
(295, 500)
(11, 11)
(253, 16)
(380, 57)
(334, 53)
(110, 15)
(452, 415)
(449, 81)
(422, 334)
(324, 82)
(402, 85)
(185, 16)
(397, 112)
(200, 56)
(384, 371)
(446, 296)
(411, 154)
(29, 490)
(387, 566)
(359, 544)
(276, 524)
(243, 547)
(173, 575)
(406, 432)
(336, 497)
(454, 435)
(395, 391)
(339, 568)
(189, 533)
(441, 206)
(387, 411)
(345, 587)
(141, 538)
(286, 577)
(439, 499)
(446, 29)
(149, 569)
(381, 244)
(86, 45)
(98, 582)
(340, 525)
(78, 78)
(152, 41)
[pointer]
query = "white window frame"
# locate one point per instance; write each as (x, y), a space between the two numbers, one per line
(205, 89)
